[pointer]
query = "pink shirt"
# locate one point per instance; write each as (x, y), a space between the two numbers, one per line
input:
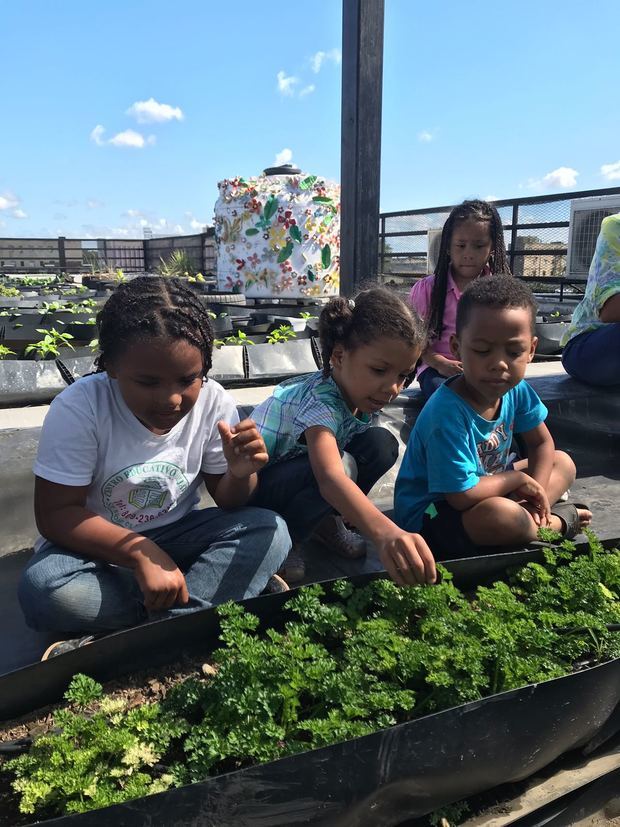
(420, 300)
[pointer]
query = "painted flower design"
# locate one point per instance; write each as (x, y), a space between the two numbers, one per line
(287, 219)
(254, 260)
(277, 238)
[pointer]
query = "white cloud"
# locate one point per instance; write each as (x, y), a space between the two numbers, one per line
(8, 201)
(562, 177)
(19, 214)
(94, 203)
(319, 58)
(130, 138)
(307, 90)
(490, 198)
(286, 84)
(120, 231)
(425, 137)
(285, 156)
(611, 171)
(151, 111)
(97, 135)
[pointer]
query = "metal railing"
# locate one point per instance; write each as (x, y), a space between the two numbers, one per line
(535, 233)
(75, 255)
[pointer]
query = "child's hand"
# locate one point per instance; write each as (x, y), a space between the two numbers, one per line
(161, 581)
(244, 448)
(407, 559)
(536, 500)
(444, 366)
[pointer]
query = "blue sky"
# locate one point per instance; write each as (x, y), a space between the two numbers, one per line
(120, 114)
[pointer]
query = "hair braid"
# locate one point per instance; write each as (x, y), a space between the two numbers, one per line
(152, 308)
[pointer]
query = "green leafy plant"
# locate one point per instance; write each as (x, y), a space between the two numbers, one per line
(9, 292)
(346, 662)
(305, 315)
(237, 338)
(94, 345)
(281, 334)
(49, 346)
(178, 263)
(6, 351)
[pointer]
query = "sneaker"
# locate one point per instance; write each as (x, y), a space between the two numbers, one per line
(333, 533)
(276, 585)
(294, 568)
(61, 647)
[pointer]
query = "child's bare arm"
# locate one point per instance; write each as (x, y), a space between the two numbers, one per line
(405, 556)
(63, 519)
(494, 485)
(540, 453)
(610, 311)
(444, 366)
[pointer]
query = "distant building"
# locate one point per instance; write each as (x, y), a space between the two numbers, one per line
(539, 265)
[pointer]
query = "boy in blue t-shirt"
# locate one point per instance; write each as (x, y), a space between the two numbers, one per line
(458, 485)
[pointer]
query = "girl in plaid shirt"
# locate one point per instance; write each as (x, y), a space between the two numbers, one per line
(324, 456)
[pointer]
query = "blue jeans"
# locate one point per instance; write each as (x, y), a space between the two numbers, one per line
(594, 356)
(429, 380)
(224, 555)
(290, 487)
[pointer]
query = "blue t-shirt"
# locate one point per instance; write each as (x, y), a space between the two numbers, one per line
(452, 447)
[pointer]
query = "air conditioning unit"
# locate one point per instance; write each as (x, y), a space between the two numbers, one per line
(586, 216)
(433, 242)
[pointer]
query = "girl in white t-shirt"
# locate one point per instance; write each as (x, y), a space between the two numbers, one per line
(121, 456)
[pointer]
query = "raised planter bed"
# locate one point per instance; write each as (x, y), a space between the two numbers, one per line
(377, 780)
(549, 331)
(285, 359)
(26, 382)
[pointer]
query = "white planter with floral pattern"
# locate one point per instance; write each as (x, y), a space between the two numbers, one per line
(278, 236)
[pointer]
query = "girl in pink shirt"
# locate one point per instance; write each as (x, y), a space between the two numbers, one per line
(472, 245)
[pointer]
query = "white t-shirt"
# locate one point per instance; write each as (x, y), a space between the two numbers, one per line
(137, 479)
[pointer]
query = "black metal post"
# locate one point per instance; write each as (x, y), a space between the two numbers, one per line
(62, 256)
(360, 162)
(513, 237)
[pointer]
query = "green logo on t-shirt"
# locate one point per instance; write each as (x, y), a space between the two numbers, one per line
(141, 493)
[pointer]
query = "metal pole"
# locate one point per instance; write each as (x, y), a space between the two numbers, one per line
(360, 163)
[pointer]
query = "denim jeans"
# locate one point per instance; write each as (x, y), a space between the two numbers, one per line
(429, 380)
(224, 555)
(594, 356)
(290, 487)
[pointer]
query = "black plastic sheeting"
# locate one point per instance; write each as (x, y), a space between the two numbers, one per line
(382, 779)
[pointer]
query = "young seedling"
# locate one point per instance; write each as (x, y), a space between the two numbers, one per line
(49, 346)
(281, 334)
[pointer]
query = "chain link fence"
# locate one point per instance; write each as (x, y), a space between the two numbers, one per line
(535, 232)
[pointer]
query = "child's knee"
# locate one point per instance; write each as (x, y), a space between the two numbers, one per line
(380, 447)
(274, 531)
(565, 465)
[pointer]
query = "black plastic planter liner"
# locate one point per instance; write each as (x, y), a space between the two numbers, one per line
(378, 780)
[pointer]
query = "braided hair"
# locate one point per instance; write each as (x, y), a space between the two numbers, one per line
(151, 307)
(474, 210)
(376, 313)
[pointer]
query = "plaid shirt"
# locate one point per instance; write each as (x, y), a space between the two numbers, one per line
(603, 280)
(301, 403)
